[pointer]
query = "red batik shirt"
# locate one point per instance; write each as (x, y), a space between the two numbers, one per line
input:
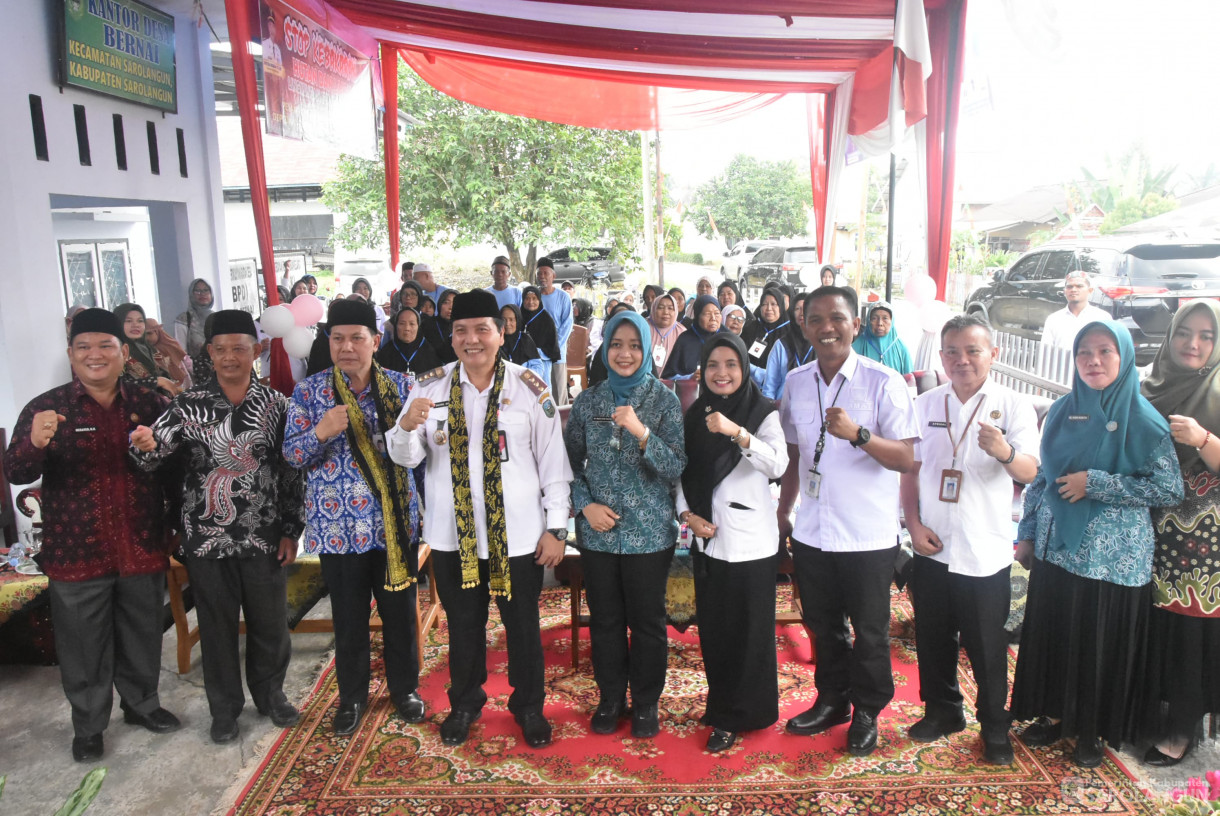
(101, 515)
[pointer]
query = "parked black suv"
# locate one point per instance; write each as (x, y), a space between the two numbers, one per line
(586, 265)
(783, 264)
(1140, 282)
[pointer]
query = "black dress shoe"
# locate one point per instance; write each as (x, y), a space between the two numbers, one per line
(1042, 732)
(931, 728)
(282, 713)
(1157, 759)
(644, 722)
(818, 719)
(605, 719)
(223, 731)
(411, 707)
(1089, 753)
(720, 740)
(456, 726)
(87, 749)
(535, 729)
(159, 721)
(347, 718)
(997, 747)
(862, 735)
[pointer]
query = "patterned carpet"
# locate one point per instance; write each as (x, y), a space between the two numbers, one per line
(390, 767)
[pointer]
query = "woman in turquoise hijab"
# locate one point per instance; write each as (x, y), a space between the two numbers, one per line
(879, 340)
(625, 442)
(1086, 534)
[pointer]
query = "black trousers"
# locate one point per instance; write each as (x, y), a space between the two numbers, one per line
(466, 612)
(627, 592)
(351, 579)
(225, 589)
(838, 587)
(108, 636)
(735, 602)
(948, 607)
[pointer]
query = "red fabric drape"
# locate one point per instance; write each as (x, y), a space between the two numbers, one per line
(946, 36)
(239, 14)
(821, 111)
(389, 124)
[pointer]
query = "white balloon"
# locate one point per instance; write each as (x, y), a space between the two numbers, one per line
(298, 342)
(920, 289)
(277, 320)
(933, 314)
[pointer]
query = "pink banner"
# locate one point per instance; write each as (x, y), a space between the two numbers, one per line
(316, 87)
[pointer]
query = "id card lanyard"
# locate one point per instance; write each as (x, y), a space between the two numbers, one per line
(815, 477)
(760, 345)
(951, 477)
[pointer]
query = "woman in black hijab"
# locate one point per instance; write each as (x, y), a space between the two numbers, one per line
(688, 349)
(539, 324)
(518, 346)
(439, 330)
(651, 292)
(735, 447)
(407, 349)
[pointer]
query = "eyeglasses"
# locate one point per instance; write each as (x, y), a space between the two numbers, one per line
(201, 291)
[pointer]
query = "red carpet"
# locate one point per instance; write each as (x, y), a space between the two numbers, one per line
(389, 767)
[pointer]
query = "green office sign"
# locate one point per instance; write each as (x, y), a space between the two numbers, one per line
(120, 48)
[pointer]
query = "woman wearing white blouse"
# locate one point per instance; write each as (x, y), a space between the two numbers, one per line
(736, 446)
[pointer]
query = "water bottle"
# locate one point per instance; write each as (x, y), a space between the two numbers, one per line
(16, 554)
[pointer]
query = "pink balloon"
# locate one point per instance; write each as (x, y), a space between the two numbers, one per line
(306, 310)
(919, 289)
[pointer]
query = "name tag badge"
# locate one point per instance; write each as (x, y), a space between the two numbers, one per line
(934, 424)
(814, 488)
(604, 418)
(950, 485)
(1078, 417)
(86, 429)
(379, 442)
(502, 443)
(658, 356)
(757, 349)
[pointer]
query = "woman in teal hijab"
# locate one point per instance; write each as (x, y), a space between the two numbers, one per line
(625, 442)
(1086, 534)
(879, 340)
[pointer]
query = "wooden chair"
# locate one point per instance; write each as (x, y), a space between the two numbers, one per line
(578, 350)
(187, 636)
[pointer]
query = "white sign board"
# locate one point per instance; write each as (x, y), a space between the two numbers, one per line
(243, 278)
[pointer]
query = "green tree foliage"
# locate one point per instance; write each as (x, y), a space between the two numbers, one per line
(1130, 176)
(469, 175)
(753, 199)
(1129, 210)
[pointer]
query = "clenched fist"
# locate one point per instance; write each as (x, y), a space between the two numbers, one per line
(334, 422)
(44, 426)
(143, 440)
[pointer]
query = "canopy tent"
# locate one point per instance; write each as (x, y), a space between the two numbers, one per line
(645, 64)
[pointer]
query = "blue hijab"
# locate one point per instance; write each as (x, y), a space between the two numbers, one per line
(621, 386)
(1076, 436)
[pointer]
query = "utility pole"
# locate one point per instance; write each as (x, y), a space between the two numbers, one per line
(646, 187)
(660, 216)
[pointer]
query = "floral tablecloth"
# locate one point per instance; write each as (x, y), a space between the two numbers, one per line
(18, 591)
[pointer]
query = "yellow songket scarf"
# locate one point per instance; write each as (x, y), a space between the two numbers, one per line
(493, 488)
(389, 481)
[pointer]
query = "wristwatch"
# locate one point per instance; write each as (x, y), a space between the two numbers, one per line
(560, 533)
(862, 437)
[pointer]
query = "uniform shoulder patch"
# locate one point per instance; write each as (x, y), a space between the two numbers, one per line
(535, 383)
(428, 376)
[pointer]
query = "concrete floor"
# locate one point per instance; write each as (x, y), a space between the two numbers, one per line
(184, 774)
(179, 774)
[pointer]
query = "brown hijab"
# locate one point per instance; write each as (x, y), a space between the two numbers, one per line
(1175, 390)
(169, 353)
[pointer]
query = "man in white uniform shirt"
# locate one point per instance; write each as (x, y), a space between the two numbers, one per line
(497, 490)
(1062, 326)
(851, 422)
(977, 436)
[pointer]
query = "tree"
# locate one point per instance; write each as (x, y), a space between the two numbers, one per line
(469, 175)
(1130, 176)
(1129, 210)
(753, 199)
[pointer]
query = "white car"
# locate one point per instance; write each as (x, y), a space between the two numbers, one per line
(738, 258)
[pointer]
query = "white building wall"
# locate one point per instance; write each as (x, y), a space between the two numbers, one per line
(186, 221)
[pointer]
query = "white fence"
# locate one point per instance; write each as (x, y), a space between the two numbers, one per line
(1028, 367)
